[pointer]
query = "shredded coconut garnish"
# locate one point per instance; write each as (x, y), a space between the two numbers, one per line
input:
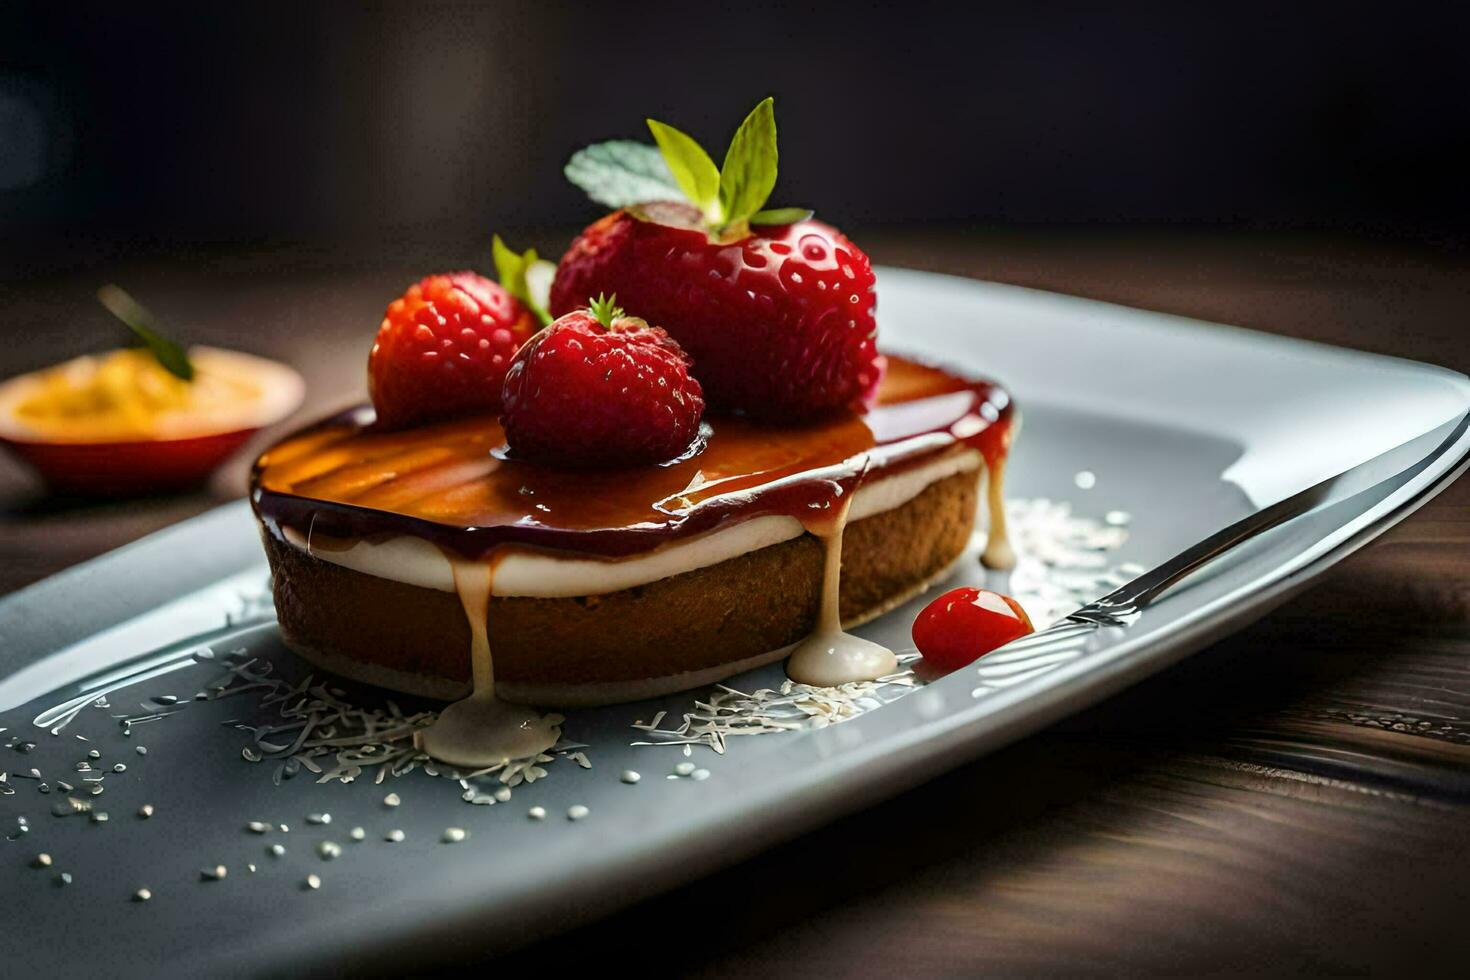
(1063, 560)
(792, 707)
(310, 725)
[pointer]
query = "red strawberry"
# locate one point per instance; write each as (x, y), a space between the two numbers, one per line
(776, 309)
(444, 347)
(779, 323)
(597, 388)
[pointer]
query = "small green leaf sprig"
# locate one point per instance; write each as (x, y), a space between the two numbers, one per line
(730, 198)
(169, 355)
(525, 275)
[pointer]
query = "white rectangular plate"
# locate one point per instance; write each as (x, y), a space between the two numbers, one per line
(1183, 425)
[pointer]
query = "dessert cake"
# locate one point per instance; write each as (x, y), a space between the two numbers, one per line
(620, 584)
(548, 515)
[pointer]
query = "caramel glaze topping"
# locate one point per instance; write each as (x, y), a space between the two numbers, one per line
(454, 484)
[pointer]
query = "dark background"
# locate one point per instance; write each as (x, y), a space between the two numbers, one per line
(366, 127)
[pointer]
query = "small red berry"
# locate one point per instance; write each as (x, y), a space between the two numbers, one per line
(599, 389)
(443, 349)
(963, 625)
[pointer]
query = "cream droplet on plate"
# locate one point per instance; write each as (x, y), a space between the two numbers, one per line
(482, 730)
(829, 656)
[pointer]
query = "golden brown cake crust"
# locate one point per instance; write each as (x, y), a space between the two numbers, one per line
(593, 649)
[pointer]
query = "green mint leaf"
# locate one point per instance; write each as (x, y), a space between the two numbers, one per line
(692, 168)
(510, 268)
(169, 354)
(749, 173)
(621, 173)
(539, 276)
(780, 216)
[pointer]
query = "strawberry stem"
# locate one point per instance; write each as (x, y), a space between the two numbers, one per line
(605, 308)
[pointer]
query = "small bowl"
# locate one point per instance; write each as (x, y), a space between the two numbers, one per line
(179, 460)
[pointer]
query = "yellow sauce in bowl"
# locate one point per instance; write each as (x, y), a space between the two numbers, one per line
(126, 395)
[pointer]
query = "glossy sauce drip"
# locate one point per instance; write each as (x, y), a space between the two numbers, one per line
(454, 485)
(483, 730)
(830, 656)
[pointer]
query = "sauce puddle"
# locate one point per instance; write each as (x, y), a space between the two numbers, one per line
(483, 730)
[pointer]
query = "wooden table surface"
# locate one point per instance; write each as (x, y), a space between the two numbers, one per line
(1294, 798)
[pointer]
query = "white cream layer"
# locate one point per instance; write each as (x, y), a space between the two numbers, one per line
(414, 561)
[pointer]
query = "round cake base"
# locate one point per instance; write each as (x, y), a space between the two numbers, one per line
(680, 632)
